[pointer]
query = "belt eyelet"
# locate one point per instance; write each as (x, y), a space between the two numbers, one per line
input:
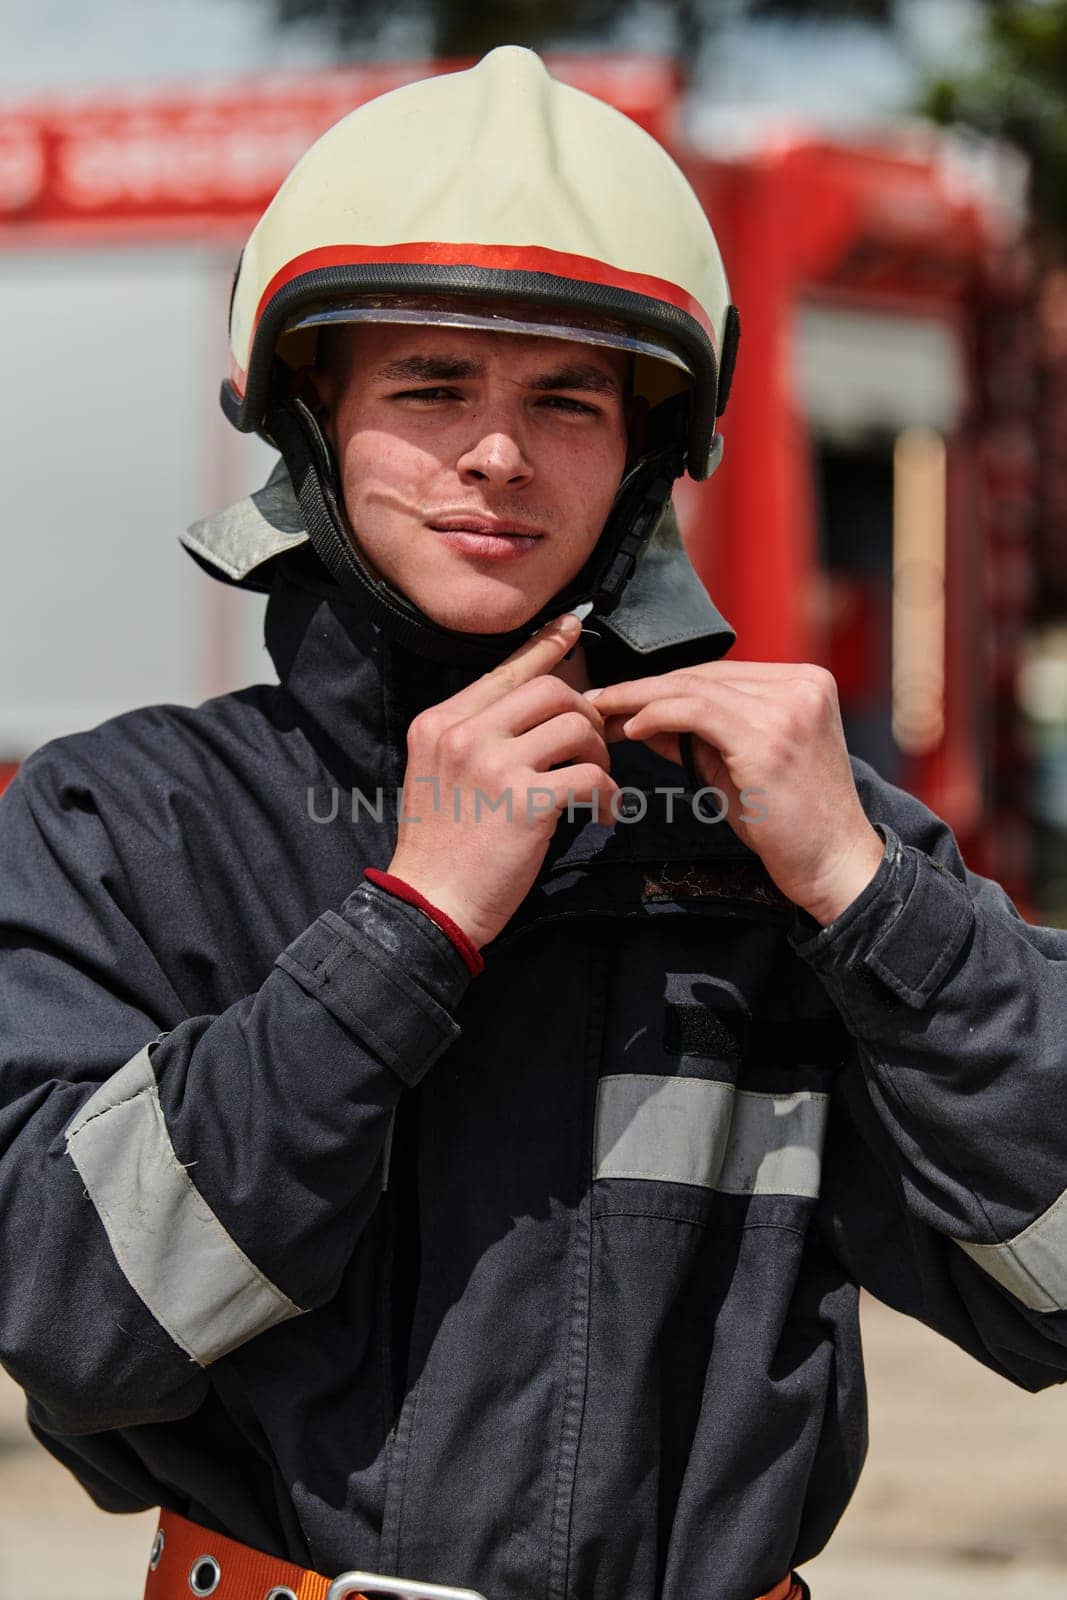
(204, 1576)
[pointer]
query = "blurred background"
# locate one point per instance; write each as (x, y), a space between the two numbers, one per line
(888, 181)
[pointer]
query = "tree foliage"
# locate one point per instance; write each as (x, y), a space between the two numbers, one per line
(880, 11)
(470, 27)
(1018, 91)
(458, 27)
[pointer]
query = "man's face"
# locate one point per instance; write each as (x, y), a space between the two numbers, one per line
(478, 468)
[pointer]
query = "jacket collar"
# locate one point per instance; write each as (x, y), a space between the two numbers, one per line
(354, 692)
(354, 689)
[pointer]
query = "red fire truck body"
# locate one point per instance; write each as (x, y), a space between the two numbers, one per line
(872, 509)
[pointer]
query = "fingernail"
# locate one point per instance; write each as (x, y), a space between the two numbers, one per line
(591, 694)
(582, 611)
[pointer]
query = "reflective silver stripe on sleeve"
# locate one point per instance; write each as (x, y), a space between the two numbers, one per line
(1033, 1265)
(711, 1135)
(197, 1283)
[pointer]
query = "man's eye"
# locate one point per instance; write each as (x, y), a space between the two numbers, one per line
(437, 392)
(562, 402)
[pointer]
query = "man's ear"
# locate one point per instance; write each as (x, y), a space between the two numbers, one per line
(637, 409)
(316, 388)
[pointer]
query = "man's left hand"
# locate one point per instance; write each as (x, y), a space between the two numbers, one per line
(772, 728)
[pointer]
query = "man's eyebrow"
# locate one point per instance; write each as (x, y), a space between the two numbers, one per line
(431, 369)
(444, 369)
(579, 376)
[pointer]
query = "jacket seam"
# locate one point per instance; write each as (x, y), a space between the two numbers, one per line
(576, 1357)
(702, 1222)
(409, 1449)
(102, 1111)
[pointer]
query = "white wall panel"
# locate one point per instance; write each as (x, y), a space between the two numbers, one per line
(112, 441)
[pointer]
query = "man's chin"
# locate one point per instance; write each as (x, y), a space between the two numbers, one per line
(485, 619)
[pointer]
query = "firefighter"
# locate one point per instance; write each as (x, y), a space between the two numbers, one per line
(448, 1111)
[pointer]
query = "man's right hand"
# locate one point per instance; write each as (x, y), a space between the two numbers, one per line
(492, 746)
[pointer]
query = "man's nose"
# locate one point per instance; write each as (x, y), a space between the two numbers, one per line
(496, 457)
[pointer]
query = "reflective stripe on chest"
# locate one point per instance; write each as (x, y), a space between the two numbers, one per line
(710, 1135)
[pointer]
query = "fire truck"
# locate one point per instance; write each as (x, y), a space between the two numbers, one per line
(874, 510)
(878, 514)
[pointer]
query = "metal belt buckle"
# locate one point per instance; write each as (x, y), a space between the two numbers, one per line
(370, 1583)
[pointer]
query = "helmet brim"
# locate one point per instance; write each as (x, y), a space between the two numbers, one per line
(575, 329)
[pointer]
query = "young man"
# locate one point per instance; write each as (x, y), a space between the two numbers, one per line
(482, 1198)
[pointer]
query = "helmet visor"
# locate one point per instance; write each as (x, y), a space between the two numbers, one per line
(509, 317)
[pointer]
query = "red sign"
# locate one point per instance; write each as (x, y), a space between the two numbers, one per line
(222, 152)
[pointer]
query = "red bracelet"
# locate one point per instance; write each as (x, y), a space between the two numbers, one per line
(403, 891)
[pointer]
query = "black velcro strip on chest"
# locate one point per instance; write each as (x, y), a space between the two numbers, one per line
(693, 1030)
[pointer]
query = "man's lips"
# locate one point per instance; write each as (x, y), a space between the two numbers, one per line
(484, 525)
(485, 538)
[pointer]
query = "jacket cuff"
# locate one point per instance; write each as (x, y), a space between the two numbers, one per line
(389, 974)
(899, 937)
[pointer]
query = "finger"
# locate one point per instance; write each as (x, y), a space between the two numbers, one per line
(755, 676)
(533, 703)
(662, 744)
(571, 786)
(715, 717)
(537, 656)
(743, 697)
(768, 670)
(663, 726)
(566, 737)
(550, 792)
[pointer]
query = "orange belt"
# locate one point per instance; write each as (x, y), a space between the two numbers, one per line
(187, 1561)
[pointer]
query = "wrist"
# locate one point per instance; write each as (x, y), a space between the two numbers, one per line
(403, 890)
(853, 872)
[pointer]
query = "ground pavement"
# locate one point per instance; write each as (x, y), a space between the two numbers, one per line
(964, 1496)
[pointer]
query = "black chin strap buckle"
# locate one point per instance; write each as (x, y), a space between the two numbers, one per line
(640, 504)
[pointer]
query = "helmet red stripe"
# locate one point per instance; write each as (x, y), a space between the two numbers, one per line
(508, 258)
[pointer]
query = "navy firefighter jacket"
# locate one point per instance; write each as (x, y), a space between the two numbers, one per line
(542, 1282)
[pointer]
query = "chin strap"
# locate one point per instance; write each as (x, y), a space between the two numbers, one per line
(638, 506)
